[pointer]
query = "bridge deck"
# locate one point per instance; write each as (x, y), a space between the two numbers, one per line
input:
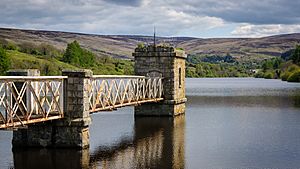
(33, 99)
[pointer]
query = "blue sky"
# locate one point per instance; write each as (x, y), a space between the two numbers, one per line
(196, 18)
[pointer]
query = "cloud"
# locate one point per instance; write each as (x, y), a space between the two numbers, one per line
(126, 2)
(248, 30)
(172, 18)
(254, 11)
(138, 17)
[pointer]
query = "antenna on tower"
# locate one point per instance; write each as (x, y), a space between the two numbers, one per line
(154, 40)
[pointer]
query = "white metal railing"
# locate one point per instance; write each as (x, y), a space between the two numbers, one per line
(107, 92)
(30, 99)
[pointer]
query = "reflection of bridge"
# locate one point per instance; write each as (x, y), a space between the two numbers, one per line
(64, 103)
(157, 143)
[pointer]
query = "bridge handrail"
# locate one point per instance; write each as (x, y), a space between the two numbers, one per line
(107, 92)
(32, 78)
(30, 99)
(117, 76)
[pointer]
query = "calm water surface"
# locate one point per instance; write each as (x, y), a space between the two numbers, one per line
(229, 123)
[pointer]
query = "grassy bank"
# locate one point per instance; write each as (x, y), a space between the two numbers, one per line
(53, 66)
(51, 61)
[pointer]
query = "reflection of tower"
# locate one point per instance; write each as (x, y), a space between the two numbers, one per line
(157, 143)
(166, 148)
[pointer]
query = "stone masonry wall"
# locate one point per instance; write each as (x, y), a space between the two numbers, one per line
(166, 61)
(73, 130)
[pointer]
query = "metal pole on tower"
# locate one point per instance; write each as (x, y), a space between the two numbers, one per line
(154, 38)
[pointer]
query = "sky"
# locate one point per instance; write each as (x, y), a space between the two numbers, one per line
(193, 18)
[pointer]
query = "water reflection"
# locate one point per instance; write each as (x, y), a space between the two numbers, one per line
(297, 101)
(50, 158)
(230, 123)
(157, 143)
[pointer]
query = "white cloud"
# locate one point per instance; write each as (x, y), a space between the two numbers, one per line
(172, 18)
(249, 30)
(241, 11)
(110, 18)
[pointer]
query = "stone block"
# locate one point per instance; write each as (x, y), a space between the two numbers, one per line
(23, 72)
(72, 136)
(82, 73)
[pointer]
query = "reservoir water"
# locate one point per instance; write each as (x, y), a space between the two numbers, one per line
(229, 123)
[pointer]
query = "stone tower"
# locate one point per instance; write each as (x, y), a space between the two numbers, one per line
(169, 64)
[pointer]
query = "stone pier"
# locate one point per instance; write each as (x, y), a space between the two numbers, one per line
(73, 129)
(169, 64)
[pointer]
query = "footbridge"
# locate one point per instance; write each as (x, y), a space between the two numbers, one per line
(32, 99)
(54, 111)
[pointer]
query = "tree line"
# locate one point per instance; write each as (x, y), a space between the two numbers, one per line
(286, 68)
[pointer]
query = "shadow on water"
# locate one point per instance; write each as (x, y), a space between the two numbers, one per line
(157, 143)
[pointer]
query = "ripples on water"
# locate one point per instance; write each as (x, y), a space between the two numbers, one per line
(229, 123)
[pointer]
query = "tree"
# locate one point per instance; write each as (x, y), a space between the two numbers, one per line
(87, 58)
(4, 61)
(267, 65)
(77, 56)
(277, 63)
(72, 53)
(296, 55)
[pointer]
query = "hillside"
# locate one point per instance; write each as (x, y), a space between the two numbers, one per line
(24, 61)
(243, 48)
(121, 46)
(117, 46)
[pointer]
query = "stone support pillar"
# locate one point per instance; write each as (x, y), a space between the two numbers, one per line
(70, 132)
(73, 130)
(170, 63)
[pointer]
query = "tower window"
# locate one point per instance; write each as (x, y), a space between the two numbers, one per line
(180, 78)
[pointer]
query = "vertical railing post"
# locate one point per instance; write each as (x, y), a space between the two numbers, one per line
(62, 95)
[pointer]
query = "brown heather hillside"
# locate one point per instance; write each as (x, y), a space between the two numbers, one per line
(117, 46)
(121, 46)
(243, 48)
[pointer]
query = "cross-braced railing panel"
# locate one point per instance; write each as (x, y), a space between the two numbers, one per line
(110, 92)
(25, 100)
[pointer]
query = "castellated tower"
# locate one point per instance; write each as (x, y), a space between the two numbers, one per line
(169, 64)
